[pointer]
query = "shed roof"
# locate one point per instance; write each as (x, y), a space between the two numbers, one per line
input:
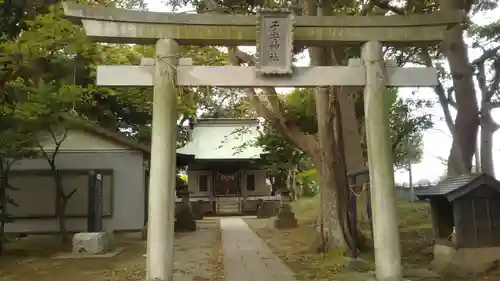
(114, 136)
(454, 187)
(224, 139)
(118, 137)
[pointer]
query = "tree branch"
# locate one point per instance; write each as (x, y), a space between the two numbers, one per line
(481, 81)
(487, 91)
(367, 8)
(487, 54)
(495, 82)
(385, 4)
(272, 110)
(272, 114)
(449, 95)
(440, 92)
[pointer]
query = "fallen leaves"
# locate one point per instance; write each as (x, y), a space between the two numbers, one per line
(293, 245)
(217, 259)
(198, 255)
(126, 273)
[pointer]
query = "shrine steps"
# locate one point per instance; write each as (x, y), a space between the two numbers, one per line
(228, 206)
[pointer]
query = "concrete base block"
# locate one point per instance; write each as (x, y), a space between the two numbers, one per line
(286, 218)
(185, 220)
(465, 261)
(197, 208)
(91, 243)
(266, 209)
(285, 223)
(110, 254)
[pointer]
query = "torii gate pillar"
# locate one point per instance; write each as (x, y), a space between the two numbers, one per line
(160, 246)
(382, 190)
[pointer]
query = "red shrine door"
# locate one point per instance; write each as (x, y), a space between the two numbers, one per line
(226, 184)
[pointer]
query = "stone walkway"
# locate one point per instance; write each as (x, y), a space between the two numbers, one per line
(247, 257)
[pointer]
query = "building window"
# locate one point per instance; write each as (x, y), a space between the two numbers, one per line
(203, 183)
(251, 182)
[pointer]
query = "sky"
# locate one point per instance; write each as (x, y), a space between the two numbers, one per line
(437, 141)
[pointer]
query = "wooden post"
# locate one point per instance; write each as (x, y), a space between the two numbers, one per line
(94, 211)
(353, 216)
(160, 244)
(383, 191)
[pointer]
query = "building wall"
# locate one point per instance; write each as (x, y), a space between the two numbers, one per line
(128, 183)
(260, 183)
(193, 184)
(261, 189)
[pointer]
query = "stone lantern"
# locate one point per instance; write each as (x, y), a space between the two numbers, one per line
(185, 219)
(286, 217)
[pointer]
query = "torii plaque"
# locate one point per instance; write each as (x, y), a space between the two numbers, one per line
(275, 41)
(168, 30)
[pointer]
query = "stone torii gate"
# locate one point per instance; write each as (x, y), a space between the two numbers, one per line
(276, 33)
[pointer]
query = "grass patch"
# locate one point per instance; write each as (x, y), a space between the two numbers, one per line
(294, 245)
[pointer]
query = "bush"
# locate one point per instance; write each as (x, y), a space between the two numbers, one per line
(308, 181)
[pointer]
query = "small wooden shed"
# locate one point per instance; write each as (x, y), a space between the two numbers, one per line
(470, 204)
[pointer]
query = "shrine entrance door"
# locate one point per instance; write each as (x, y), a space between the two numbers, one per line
(227, 183)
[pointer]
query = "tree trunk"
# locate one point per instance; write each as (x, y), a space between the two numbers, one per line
(296, 187)
(326, 163)
(488, 128)
(62, 201)
(3, 202)
(291, 181)
(353, 152)
(332, 170)
(63, 230)
(467, 120)
(332, 176)
(289, 184)
(329, 217)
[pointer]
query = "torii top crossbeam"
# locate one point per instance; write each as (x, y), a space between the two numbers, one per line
(115, 25)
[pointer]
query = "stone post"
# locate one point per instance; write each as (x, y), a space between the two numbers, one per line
(160, 244)
(185, 218)
(383, 190)
(94, 208)
(286, 217)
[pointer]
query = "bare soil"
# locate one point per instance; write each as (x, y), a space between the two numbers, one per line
(197, 257)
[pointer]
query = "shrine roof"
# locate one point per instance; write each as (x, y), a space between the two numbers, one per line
(456, 186)
(219, 139)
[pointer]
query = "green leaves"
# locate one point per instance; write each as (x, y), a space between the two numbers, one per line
(408, 120)
(41, 86)
(481, 33)
(300, 108)
(50, 36)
